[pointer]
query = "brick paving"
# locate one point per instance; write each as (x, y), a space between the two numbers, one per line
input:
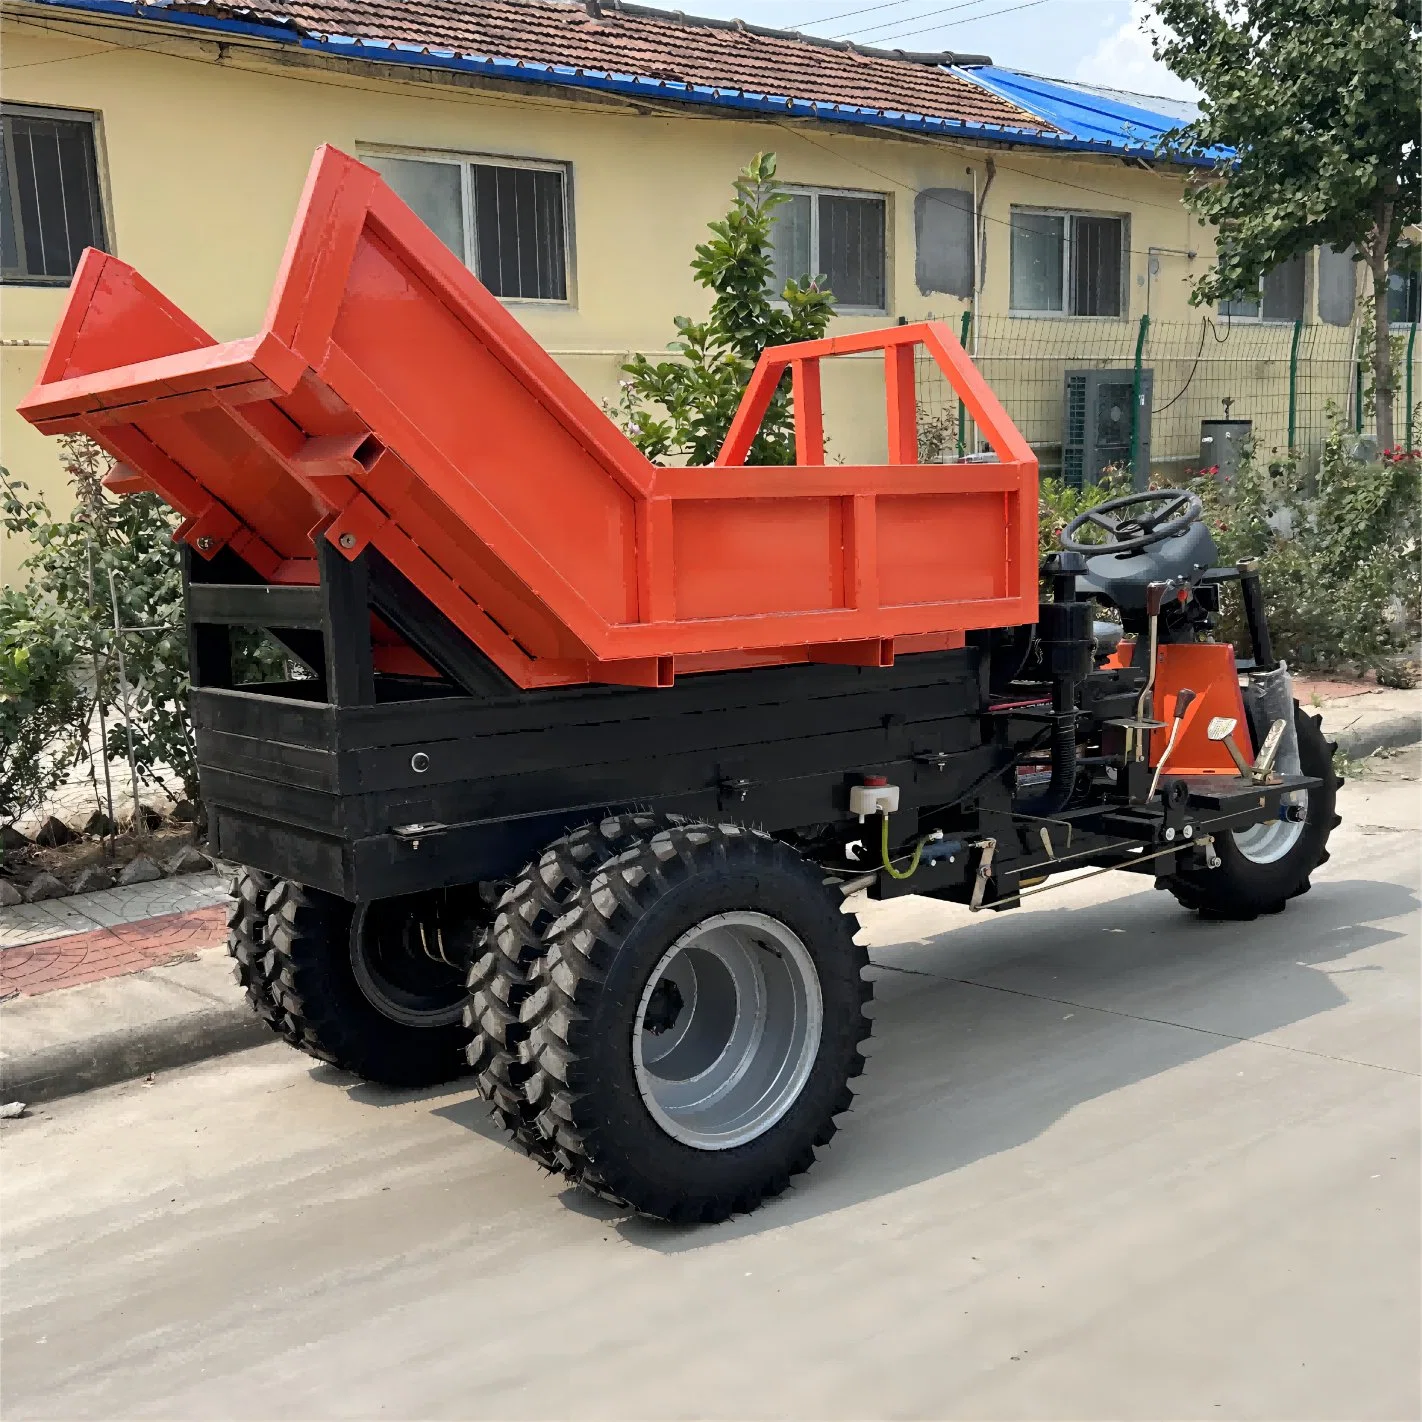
(32, 968)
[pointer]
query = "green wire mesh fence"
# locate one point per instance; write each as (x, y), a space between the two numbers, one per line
(1165, 379)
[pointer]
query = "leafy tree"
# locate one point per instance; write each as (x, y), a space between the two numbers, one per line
(683, 408)
(1322, 101)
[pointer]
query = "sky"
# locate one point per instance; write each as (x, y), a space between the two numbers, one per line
(1096, 41)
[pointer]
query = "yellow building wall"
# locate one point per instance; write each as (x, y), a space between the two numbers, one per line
(204, 148)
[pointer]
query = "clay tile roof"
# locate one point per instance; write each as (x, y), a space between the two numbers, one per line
(609, 37)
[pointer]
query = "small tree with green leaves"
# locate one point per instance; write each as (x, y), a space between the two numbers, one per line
(683, 408)
(1322, 102)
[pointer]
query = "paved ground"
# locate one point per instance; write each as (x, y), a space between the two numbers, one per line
(50, 920)
(1107, 1162)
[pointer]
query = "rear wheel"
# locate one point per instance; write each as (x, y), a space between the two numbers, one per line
(377, 989)
(247, 945)
(1261, 868)
(696, 1024)
(503, 972)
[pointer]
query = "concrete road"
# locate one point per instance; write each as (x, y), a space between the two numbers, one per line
(1108, 1162)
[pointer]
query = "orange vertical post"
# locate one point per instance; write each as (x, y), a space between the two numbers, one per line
(809, 412)
(902, 405)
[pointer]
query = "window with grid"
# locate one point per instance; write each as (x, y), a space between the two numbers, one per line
(506, 221)
(50, 208)
(1067, 263)
(1279, 295)
(837, 238)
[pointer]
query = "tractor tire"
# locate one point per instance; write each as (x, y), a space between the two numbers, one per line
(1262, 868)
(502, 975)
(247, 946)
(655, 1086)
(360, 988)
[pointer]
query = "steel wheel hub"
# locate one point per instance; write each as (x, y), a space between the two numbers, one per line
(410, 960)
(1273, 840)
(727, 1030)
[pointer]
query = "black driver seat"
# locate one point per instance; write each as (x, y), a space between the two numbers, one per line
(1121, 578)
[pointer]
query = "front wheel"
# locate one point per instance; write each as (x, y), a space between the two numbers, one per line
(1261, 868)
(696, 1023)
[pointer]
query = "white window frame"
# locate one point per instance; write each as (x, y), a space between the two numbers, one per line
(1067, 213)
(814, 194)
(95, 119)
(464, 161)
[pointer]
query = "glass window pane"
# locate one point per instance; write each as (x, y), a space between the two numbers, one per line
(1404, 285)
(432, 191)
(1095, 261)
(1247, 306)
(1283, 291)
(9, 231)
(51, 196)
(852, 249)
(790, 235)
(1037, 261)
(518, 227)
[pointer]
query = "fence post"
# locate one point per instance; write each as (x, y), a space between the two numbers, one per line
(1294, 384)
(1407, 379)
(962, 412)
(1136, 477)
(1358, 395)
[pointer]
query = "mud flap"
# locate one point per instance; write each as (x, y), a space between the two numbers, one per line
(1270, 697)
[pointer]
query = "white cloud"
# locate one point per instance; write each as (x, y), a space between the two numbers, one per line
(1123, 60)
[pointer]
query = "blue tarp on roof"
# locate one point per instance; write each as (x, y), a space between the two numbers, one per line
(1114, 118)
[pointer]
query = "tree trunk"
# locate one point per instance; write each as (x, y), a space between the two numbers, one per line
(1382, 343)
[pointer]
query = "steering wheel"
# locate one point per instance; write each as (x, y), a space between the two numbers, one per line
(1162, 514)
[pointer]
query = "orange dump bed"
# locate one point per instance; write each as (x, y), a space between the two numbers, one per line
(390, 401)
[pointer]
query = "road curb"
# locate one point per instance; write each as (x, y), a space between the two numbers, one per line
(111, 1057)
(1385, 733)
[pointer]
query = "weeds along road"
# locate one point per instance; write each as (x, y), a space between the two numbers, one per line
(1107, 1161)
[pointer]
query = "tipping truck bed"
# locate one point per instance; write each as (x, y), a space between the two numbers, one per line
(390, 402)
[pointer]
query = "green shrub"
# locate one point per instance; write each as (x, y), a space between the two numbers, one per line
(683, 408)
(59, 629)
(43, 711)
(1339, 559)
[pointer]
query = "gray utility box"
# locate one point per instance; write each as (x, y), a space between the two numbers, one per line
(1096, 427)
(1222, 445)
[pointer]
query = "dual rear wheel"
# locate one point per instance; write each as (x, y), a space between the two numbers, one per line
(669, 1014)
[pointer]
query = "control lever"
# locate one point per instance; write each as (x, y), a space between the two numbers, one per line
(1221, 728)
(1269, 751)
(1183, 698)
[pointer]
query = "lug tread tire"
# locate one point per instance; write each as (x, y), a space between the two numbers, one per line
(1240, 890)
(247, 946)
(502, 976)
(327, 1016)
(588, 1119)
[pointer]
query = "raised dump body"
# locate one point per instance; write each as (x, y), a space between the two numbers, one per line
(389, 401)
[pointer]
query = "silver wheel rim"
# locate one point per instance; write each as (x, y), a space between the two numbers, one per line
(727, 1030)
(1273, 840)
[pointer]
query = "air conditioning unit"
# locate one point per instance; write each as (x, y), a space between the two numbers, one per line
(1096, 428)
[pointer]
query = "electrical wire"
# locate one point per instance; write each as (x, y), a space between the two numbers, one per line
(913, 19)
(1204, 327)
(967, 19)
(846, 14)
